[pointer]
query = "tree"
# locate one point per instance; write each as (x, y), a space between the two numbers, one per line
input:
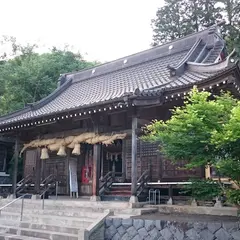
(187, 134)
(180, 18)
(204, 131)
(27, 77)
(231, 8)
(170, 22)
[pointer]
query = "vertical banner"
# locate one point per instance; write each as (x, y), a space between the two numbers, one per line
(73, 175)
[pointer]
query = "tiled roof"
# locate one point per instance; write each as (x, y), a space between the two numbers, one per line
(160, 67)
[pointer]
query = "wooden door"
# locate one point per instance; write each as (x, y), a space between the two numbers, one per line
(30, 162)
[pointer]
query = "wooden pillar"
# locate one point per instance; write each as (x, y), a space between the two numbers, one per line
(133, 198)
(124, 160)
(102, 164)
(67, 170)
(207, 172)
(96, 171)
(96, 167)
(38, 171)
(15, 166)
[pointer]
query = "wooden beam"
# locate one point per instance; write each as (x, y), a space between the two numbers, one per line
(142, 122)
(15, 166)
(134, 160)
(147, 101)
(75, 132)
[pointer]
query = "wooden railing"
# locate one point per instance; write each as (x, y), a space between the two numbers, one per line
(108, 180)
(21, 185)
(142, 181)
(48, 179)
(47, 184)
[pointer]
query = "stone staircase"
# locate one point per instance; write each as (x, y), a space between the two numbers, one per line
(117, 193)
(122, 193)
(60, 220)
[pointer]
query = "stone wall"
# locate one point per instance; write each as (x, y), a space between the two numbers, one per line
(137, 229)
(98, 233)
(96, 230)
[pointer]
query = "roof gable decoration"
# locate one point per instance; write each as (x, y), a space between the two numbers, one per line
(206, 51)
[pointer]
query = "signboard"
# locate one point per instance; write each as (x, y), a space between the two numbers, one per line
(73, 182)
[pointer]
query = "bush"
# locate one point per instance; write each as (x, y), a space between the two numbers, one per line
(233, 196)
(202, 189)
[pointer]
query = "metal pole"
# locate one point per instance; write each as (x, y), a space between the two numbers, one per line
(56, 190)
(151, 193)
(15, 170)
(43, 201)
(22, 208)
(157, 192)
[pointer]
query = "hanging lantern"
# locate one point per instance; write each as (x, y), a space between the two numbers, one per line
(77, 149)
(61, 151)
(44, 153)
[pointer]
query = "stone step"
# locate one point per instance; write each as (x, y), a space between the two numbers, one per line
(60, 208)
(80, 222)
(6, 236)
(36, 226)
(70, 204)
(38, 233)
(118, 193)
(115, 198)
(136, 211)
(66, 213)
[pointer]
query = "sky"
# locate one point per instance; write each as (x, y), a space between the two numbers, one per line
(101, 30)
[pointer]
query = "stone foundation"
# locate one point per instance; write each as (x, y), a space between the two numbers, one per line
(137, 229)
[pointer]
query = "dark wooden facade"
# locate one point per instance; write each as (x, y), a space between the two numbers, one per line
(148, 154)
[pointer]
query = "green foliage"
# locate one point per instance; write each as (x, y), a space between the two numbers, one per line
(202, 189)
(233, 196)
(229, 167)
(205, 131)
(178, 18)
(26, 76)
(187, 135)
(231, 9)
(170, 22)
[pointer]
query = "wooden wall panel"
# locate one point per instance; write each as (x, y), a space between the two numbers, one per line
(3, 157)
(161, 169)
(58, 166)
(30, 162)
(176, 172)
(146, 154)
